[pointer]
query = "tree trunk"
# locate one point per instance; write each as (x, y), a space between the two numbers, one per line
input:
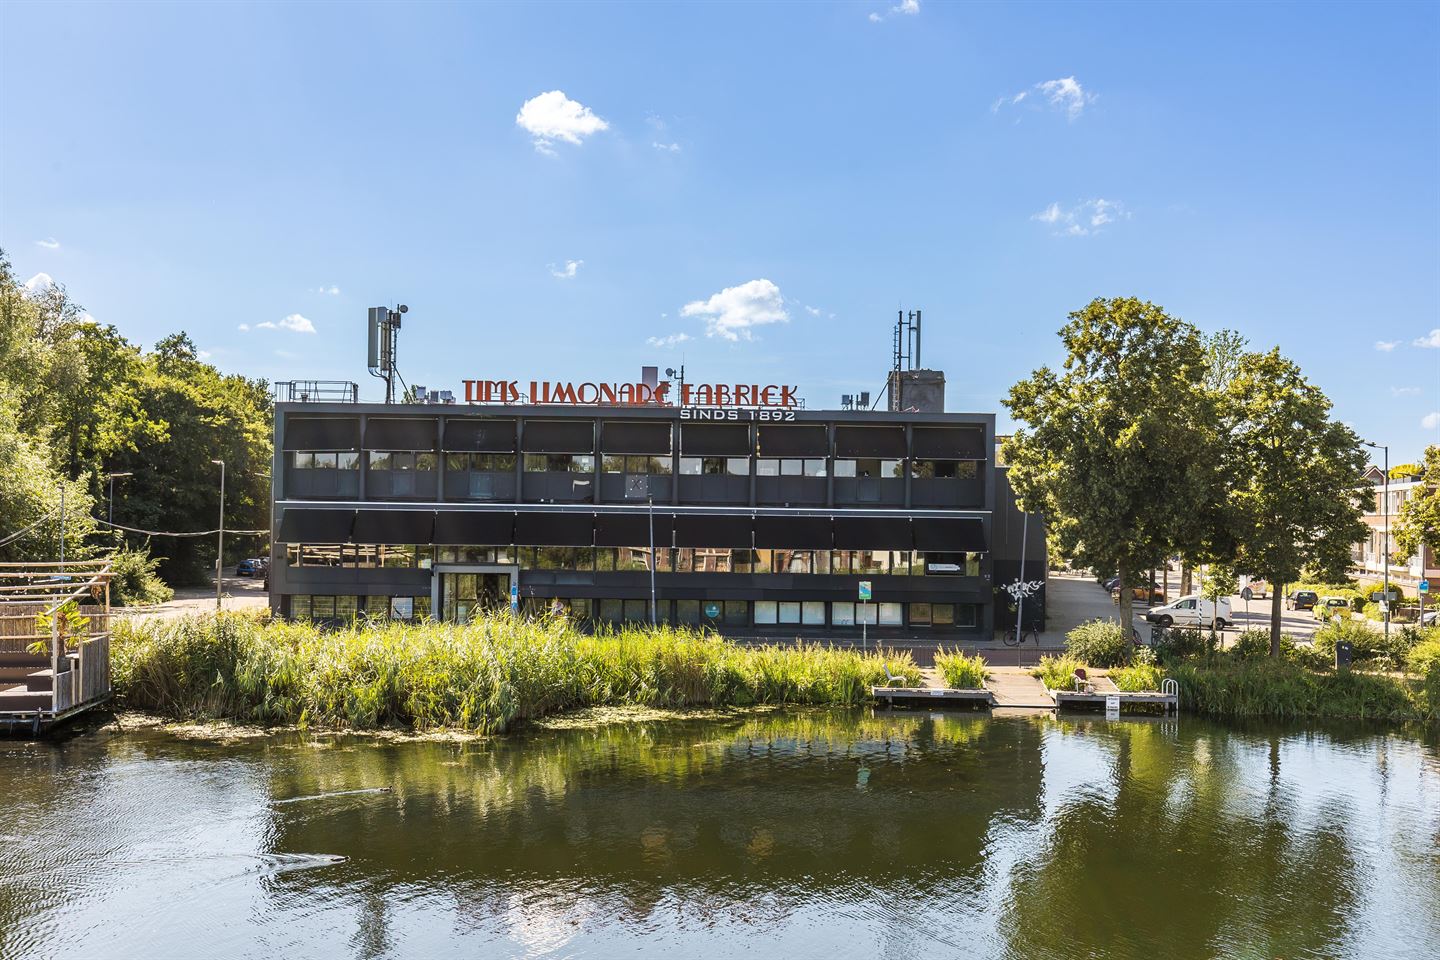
(1126, 600)
(1184, 579)
(1274, 618)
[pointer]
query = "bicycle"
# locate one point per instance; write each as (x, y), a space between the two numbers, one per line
(1012, 640)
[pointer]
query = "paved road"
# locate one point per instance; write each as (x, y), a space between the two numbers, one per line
(237, 593)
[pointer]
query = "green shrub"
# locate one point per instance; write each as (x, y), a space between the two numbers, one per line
(1138, 677)
(133, 580)
(486, 676)
(961, 672)
(1100, 643)
(1235, 688)
(1254, 645)
(1057, 673)
(1367, 644)
(1181, 643)
(1424, 656)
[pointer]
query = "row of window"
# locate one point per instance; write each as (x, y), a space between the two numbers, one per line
(729, 613)
(585, 463)
(667, 559)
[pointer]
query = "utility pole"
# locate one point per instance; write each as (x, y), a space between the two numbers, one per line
(220, 542)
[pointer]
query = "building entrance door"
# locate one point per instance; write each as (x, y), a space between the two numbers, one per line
(466, 593)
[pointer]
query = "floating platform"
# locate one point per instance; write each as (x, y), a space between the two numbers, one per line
(1088, 701)
(934, 696)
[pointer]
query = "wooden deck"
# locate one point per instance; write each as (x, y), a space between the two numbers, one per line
(932, 696)
(1090, 701)
(52, 666)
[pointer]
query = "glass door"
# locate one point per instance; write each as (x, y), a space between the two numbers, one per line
(465, 595)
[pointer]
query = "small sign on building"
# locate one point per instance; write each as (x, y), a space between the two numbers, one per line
(1112, 707)
(1424, 586)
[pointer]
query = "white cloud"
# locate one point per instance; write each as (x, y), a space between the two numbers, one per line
(1431, 420)
(332, 290)
(813, 311)
(566, 272)
(1430, 341)
(907, 8)
(1064, 94)
(1084, 218)
(665, 147)
(553, 116)
(668, 341)
(735, 311)
(243, 328)
(1385, 346)
(294, 323)
(203, 354)
(39, 283)
(49, 243)
(1405, 391)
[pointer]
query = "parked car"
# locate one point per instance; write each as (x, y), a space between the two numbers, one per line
(1302, 600)
(1330, 606)
(252, 567)
(1142, 593)
(1253, 589)
(1192, 611)
(1110, 583)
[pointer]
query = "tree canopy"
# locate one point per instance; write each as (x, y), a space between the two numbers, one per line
(79, 401)
(1417, 526)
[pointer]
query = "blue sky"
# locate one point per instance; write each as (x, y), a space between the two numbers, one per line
(770, 181)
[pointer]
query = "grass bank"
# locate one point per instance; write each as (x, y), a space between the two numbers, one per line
(485, 676)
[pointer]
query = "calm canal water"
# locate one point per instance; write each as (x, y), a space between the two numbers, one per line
(815, 834)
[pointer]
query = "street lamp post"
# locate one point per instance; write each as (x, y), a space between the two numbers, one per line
(220, 541)
(651, 501)
(1385, 543)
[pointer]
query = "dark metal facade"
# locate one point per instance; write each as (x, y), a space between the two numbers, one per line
(840, 488)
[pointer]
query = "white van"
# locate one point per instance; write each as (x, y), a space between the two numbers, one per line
(1192, 611)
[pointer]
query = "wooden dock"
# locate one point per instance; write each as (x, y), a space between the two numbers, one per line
(1089, 701)
(54, 642)
(932, 696)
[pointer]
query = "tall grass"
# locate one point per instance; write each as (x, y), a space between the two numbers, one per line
(485, 676)
(1057, 673)
(1269, 688)
(960, 672)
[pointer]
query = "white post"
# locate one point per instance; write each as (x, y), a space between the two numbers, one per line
(1020, 599)
(651, 501)
(220, 542)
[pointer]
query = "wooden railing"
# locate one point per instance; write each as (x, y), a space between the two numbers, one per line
(32, 591)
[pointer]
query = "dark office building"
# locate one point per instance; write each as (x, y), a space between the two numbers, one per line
(751, 521)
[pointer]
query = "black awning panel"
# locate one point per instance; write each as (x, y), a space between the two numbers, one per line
(884, 442)
(798, 533)
(949, 443)
(635, 436)
(394, 526)
(950, 534)
(559, 436)
(554, 529)
(715, 440)
(808, 440)
(711, 530)
(391, 433)
(306, 525)
(467, 528)
(872, 533)
(322, 433)
(633, 529)
(474, 435)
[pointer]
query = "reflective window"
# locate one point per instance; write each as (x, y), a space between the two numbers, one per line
(559, 463)
(944, 469)
(766, 612)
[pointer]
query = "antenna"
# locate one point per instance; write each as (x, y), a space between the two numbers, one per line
(905, 356)
(384, 339)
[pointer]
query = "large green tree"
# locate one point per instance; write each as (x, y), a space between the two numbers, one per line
(1118, 448)
(1417, 527)
(1295, 499)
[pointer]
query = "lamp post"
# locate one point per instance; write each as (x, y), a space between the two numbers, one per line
(651, 501)
(1385, 543)
(220, 542)
(111, 478)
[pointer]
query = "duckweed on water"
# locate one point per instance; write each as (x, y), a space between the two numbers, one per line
(483, 676)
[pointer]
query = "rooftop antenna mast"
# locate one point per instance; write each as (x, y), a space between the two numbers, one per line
(384, 341)
(906, 354)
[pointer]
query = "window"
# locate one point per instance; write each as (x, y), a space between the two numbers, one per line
(559, 463)
(766, 612)
(943, 469)
(737, 613)
(481, 462)
(715, 466)
(300, 607)
(842, 614)
(892, 614)
(737, 466)
(789, 611)
(942, 614)
(867, 613)
(343, 460)
(767, 468)
(812, 613)
(346, 608)
(869, 467)
(687, 612)
(563, 558)
(966, 614)
(612, 610)
(844, 468)
(637, 611)
(319, 555)
(377, 608)
(919, 614)
(816, 468)
(401, 556)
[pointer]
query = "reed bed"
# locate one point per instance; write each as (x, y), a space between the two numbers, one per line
(961, 672)
(484, 676)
